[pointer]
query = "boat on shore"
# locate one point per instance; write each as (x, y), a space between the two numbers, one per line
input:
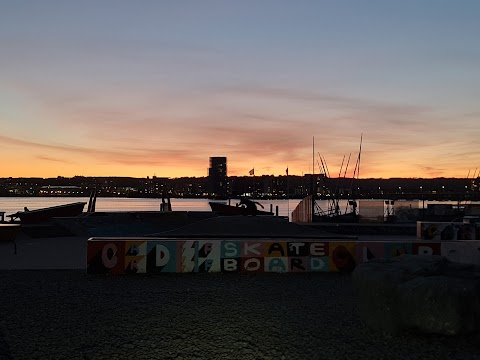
(228, 210)
(45, 214)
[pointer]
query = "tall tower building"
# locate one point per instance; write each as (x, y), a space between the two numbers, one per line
(217, 177)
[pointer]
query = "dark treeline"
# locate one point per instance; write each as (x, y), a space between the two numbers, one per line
(274, 187)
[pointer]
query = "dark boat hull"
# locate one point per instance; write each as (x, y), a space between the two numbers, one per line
(341, 218)
(41, 215)
(224, 209)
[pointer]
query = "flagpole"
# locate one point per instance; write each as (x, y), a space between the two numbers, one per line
(313, 177)
(288, 198)
(252, 172)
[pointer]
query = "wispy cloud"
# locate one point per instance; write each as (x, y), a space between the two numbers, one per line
(52, 159)
(133, 156)
(323, 99)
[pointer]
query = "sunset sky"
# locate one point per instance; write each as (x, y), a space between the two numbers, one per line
(142, 88)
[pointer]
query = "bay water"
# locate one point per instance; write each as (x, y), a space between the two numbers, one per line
(11, 205)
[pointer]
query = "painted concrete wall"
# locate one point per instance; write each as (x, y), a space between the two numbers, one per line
(439, 231)
(116, 256)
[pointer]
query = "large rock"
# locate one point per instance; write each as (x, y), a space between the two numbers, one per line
(439, 304)
(425, 293)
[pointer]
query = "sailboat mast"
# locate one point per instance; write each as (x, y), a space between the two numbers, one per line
(356, 170)
(313, 176)
(359, 155)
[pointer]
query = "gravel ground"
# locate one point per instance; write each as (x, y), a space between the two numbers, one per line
(68, 315)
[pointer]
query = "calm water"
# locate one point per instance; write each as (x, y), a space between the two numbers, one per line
(11, 205)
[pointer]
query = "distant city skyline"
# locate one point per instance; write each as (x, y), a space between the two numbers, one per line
(117, 88)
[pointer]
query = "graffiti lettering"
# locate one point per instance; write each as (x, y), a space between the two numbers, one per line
(252, 248)
(317, 249)
(109, 255)
(162, 255)
(276, 247)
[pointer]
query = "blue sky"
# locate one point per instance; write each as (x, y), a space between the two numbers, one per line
(157, 87)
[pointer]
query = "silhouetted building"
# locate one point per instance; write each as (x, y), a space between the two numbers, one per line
(217, 177)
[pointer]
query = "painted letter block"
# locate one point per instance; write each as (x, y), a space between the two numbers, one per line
(297, 249)
(393, 249)
(342, 256)
(253, 264)
(276, 249)
(253, 249)
(106, 257)
(426, 249)
(319, 264)
(135, 257)
(318, 248)
(161, 256)
(298, 264)
(276, 264)
(135, 264)
(466, 252)
(231, 249)
(208, 256)
(366, 251)
(231, 264)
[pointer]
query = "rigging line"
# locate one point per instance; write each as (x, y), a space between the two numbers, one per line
(346, 168)
(336, 200)
(357, 165)
(326, 166)
(360, 154)
(323, 167)
(345, 174)
(353, 176)
(324, 172)
(320, 167)
(340, 174)
(333, 207)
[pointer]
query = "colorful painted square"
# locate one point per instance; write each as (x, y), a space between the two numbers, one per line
(210, 249)
(105, 257)
(189, 260)
(298, 249)
(276, 264)
(275, 249)
(393, 249)
(252, 264)
(429, 231)
(426, 248)
(208, 256)
(231, 249)
(135, 264)
(161, 256)
(253, 248)
(231, 264)
(342, 256)
(208, 265)
(319, 264)
(319, 248)
(298, 264)
(136, 248)
(466, 252)
(366, 251)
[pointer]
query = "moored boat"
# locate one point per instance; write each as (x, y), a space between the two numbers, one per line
(224, 209)
(44, 214)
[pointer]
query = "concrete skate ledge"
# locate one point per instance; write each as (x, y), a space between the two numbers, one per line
(163, 255)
